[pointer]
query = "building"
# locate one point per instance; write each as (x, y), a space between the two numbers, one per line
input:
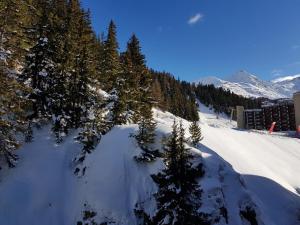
(284, 112)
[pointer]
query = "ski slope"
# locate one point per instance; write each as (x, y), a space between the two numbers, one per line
(243, 168)
(269, 165)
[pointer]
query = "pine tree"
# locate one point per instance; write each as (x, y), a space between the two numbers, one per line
(120, 107)
(179, 195)
(40, 67)
(89, 136)
(113, 76)
(111, 67)
(146, 132)
(138, 81)
(138, 78)
(14, 18)
(99, 59)
(58, 89)
(13, 101)
(195, 131)
(13, 107)
(80, 64)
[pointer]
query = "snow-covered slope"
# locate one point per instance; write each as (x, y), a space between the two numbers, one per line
(243, 168)
(248, 85)
(268, 164)
(287, 85)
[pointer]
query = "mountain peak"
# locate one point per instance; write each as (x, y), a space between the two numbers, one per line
(242, 76)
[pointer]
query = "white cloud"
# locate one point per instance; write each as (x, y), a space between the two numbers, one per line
(295, 47)
(195, 19)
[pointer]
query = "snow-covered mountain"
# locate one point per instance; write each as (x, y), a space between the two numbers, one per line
(249, 85)
(287, 85)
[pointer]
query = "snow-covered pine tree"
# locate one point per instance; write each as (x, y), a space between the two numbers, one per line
(13, 101)
(129, 93)
(195, 131)
(79, 40)
(39, 66)
(146, 132)
(13, 107)
(89, 136)
(15, 16)
(119, 115)
(114, 77)
(99, 56)
(179, 195)
(139, 99)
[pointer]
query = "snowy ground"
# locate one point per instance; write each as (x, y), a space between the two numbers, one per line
(243, 168)
(269, 165)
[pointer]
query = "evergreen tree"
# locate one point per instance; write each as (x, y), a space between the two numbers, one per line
(111, 67)
(99, 60)
(14, 16)
(58, 88)
(179, 195)
(195, 131)
(13, 107)
(39, 68)
(79, 64)
(138, 80)
(113, 76)
(146, 132)
(119, 108)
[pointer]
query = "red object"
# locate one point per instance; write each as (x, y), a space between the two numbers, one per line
(272, 127)
(298, 131)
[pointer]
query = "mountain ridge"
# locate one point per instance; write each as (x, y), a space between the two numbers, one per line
(249, 85)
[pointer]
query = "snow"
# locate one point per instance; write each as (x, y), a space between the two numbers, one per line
(43, 73)
(243, 168)
(287, 78)
(44, 190)
(115, 178)
(268, 164)
(249, 85)
(40, 188)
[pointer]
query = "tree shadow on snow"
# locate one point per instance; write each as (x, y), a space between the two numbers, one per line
(274, 201)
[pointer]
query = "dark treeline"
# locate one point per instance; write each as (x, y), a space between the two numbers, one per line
(174, 96)
(223, 100)
(179, 97)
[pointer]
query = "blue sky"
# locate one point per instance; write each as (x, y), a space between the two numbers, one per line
(196, 38)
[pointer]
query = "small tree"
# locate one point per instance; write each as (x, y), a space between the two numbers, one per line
(145, 137)
(195, 131)
(146, 131)
(179, 196)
